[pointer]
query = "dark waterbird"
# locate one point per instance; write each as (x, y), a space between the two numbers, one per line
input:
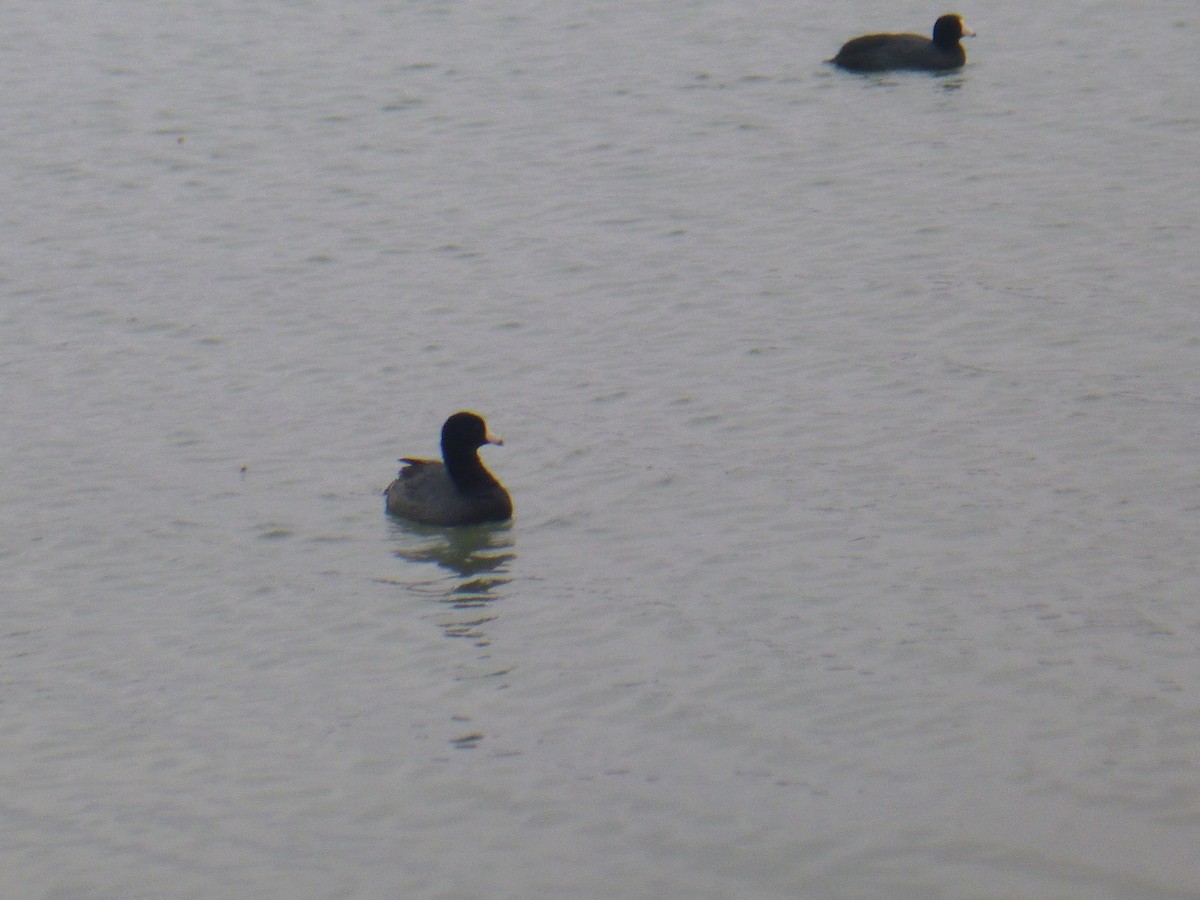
(882, 52)
(456, 491)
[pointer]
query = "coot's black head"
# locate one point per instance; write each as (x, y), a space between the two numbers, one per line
(466, 431)
(948, 29)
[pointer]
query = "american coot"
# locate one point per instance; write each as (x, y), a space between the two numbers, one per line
(459, 491)
(880, 52)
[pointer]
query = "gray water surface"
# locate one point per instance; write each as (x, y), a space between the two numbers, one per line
(851, 424)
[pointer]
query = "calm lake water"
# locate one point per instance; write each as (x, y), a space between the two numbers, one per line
(851, 424)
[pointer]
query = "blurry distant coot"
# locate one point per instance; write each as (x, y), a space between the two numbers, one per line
(881, 52)
(457, 491)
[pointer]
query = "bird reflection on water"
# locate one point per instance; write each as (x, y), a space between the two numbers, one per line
(476, 562)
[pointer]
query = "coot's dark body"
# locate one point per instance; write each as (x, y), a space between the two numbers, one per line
(884, 52)
(456, 491)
